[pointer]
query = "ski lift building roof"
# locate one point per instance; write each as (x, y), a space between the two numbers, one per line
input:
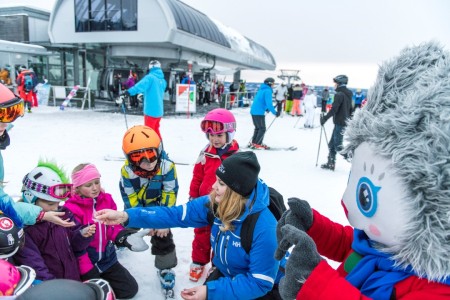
(166, 29)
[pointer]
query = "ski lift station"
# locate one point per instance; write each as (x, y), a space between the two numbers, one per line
(102, 41)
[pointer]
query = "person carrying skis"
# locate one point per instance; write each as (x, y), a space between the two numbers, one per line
(219, 125)
(26, 82)
(341, 111)
(148, 179)
(237, 193)
(262, 103)
(101, 260)
(152, 86)
(47, 186)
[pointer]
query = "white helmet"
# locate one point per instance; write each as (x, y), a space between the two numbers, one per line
(153, 64)
(46, 183)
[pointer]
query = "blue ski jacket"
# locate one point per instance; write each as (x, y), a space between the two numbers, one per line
(263, 101)
(246, 276)
(152, 86)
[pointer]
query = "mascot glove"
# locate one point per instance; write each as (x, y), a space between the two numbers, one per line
(132, 239)
(302, 261)
(299, 215)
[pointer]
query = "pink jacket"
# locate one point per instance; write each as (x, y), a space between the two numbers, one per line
(101, 251)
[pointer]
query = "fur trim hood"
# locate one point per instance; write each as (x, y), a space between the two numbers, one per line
(407, 120)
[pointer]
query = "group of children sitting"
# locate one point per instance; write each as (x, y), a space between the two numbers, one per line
(74, 245)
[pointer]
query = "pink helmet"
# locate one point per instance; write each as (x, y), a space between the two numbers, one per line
(219, 120)
(10, 278)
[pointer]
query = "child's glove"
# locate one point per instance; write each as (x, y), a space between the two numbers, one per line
(302, 261)
(132, 239)
(299, 215)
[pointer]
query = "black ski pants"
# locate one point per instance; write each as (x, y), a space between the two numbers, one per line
(260, 129)
(121, 281)
(335, 143)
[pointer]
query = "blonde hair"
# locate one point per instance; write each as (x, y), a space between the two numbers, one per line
(229, 209)
(79, 167)
(76, 190)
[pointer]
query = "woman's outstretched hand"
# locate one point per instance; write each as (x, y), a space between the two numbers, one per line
(110, 216)
(57, 218)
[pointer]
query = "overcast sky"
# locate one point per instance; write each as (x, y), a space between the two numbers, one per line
(322, 38)
(325, 37)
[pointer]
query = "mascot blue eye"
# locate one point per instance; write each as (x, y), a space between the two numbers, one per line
(367, 197)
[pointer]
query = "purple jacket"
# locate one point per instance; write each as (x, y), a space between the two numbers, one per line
(52, 250)
(101, 250)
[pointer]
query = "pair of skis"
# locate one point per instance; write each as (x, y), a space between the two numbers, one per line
(291, 148)
(121, 158)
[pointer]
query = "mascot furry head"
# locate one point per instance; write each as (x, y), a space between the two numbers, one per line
(397, 198)
(407, 122)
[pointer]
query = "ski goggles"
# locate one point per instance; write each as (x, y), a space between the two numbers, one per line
(58, 191)
(11, 110)
(138, 156)
(215, 127)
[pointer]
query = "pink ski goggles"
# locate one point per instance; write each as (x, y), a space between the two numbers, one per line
(58, 191)
(215, 127)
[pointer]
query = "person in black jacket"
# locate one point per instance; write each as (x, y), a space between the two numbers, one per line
(341, 110)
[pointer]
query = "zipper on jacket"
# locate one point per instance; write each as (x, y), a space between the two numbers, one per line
(217, 246)
(100, 238)
(225, 252)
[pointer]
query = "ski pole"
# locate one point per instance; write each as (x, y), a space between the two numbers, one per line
(124, 113)
(295, 125)
(320, 141)
(270, 125)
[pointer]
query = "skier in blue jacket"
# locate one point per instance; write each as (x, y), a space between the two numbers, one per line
(261, 104)
(236, 194)
(153, 86)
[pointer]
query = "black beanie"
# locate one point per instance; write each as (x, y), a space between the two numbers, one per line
(240, 172)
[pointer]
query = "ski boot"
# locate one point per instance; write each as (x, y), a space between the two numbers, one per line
(329, 165)
(195, 272)
(167, 280)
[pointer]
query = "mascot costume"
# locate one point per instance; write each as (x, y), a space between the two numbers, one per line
(397, 197)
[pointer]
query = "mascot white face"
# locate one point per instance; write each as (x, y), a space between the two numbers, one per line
(374, 200)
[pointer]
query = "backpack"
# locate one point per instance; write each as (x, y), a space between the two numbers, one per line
(276, 206)
(28, 82)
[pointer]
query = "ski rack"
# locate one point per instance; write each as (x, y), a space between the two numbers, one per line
(61, 92)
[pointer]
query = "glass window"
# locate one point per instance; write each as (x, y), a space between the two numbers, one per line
(105, 15)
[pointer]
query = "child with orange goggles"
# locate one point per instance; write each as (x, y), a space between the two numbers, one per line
(11, 106)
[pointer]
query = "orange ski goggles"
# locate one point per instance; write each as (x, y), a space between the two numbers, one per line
(11, 110)
(138, 156)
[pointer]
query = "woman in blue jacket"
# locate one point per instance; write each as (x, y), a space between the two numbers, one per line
(236, 194)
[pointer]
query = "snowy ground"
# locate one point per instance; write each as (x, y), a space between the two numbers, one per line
(73, 136)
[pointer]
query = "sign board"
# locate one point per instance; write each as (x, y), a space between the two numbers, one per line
(186, 98)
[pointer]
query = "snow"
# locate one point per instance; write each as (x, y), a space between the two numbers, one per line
(73, 136)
